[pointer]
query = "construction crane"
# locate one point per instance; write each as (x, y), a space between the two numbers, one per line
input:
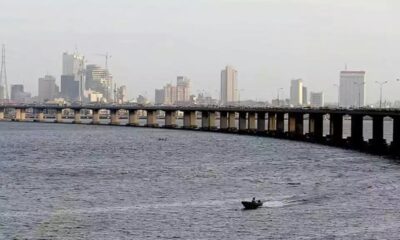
(106, 56)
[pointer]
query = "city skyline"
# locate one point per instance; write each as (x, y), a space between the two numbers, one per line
(266, 57)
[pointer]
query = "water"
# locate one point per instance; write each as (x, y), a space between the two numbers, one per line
(62, 181)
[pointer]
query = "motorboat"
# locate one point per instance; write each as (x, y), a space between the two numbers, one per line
(252, 204)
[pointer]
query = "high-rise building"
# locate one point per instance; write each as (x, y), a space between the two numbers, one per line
(18, 94)
(170, 94)
(352, 89)
(305, 96)
(99, 80)
(74, 65)
(69, 88)
(296, 92)
(182, 89)
(229, 90)
(317, 99)
(159, 97)
(122, 94)
(48, 90)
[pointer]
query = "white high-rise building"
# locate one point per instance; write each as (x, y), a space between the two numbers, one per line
(352, 89)
(182, 89)
(229, 88)
(99, 80)
(317, 99)
(296, 92)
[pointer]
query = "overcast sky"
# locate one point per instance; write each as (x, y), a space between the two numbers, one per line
(269, 42)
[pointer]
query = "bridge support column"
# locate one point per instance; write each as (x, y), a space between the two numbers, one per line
(251, 121)
(1, 114)
(189, 119)
(280, 123)
(59, 116)
(170, 119)
(242, 121)
(114, 117)
(336, 128)
(40, 115)
(151, 119)
(223, 120)
(316, 126)
(208, 120)
(356, 139)
(20, 114)
(295, 124)
(133, 118)
(232, 120)
(95, 116)
(77, 116)
(261, 122)
(395, 146)
(272, 122)
(378, 143)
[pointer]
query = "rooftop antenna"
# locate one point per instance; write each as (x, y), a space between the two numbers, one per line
(3, 75)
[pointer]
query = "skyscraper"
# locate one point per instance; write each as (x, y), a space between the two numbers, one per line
(69, 88)
(317, 99)
(229, 91)
(48, 90)
(352, 89)
(296, 92)
(99, 80)
(305, 96)
(182, 89)
(159, 97)
(74, 65)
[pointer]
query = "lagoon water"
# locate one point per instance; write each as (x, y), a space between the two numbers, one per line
(64, 181)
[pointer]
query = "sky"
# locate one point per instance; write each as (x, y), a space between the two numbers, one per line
(269, 42)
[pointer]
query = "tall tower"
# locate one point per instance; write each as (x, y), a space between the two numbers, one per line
(229, 90)
(3, 75)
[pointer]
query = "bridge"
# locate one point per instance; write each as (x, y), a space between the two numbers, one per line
(260, 121)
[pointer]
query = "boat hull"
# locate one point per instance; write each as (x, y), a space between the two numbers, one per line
(252, 205)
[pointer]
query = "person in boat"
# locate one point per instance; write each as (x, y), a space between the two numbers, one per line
(254, 200)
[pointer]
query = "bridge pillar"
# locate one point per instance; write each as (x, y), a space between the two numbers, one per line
(232, 120)
(242, 121)
(356, 139)
(1, 114)
(189, 119)
(95, 116)
(133, 118)
(280, 123)
(378, 143)
(208, 120)
(316, 126)
(114, 117)
(151, 118)
(261, 121)
(170, 119)
(77, 116)
(295, 124)
(223, 120)
(59, 116)
(40, 115)
(272, 122)
(20, 114)
(395, 146)
(251, 121)
(336, 128)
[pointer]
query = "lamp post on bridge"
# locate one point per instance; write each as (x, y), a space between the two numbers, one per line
(359, 92)
(380, 96)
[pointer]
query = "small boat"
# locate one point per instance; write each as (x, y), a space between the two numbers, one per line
(252, 205)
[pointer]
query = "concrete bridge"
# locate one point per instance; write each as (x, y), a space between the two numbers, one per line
(262, 121)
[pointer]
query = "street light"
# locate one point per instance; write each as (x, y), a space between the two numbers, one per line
(359, 92)
(279, 89)
(381, 86)
(338, 91)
